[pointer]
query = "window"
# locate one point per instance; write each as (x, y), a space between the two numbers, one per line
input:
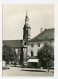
(32, 54)
(25, 43)
(32, 45)
(45, 43)
(38, 44)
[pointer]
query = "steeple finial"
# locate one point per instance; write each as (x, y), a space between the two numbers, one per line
(26, 15)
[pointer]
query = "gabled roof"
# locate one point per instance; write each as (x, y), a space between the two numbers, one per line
(13, 43)
(46, 34)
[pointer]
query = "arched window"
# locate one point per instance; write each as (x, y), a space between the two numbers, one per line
(32, 54)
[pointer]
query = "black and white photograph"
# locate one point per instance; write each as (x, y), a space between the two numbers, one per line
(28, 40)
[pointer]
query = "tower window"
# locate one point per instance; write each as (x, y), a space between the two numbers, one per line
(26, 32)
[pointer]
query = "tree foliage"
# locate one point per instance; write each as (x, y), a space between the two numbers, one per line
(45, 54)
(7, 53)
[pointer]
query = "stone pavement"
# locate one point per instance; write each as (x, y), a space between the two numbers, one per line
(31, 72)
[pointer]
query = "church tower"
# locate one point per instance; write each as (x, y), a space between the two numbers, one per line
(26, 29)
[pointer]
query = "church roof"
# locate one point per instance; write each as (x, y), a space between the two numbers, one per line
(46, 34)
(13, 43)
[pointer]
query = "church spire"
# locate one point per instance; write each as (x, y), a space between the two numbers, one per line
(26, 15)
(26, 20)
(26, 29)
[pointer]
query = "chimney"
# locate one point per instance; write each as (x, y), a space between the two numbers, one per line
(40, 30)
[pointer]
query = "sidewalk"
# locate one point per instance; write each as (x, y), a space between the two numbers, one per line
(37, 69)
(18, 71)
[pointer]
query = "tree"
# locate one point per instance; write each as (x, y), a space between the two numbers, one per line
(7, 53)
(15, 58)
(45, 54)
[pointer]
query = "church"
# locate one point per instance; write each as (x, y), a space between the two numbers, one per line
(27, 48)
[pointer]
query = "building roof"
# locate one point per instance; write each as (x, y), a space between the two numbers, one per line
(13, 43)
(46, 34)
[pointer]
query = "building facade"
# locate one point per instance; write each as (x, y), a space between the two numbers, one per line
(38, 42)
(35, 44)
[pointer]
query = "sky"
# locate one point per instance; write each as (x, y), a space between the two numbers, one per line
(40, 16)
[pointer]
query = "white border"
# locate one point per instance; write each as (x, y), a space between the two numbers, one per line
(56, 32)
(28, 1)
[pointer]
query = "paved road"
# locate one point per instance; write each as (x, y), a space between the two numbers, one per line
(17, 71)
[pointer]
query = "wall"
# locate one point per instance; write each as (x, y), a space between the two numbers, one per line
(35, 48)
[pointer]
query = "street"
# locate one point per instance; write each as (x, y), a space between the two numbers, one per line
(18, 71)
